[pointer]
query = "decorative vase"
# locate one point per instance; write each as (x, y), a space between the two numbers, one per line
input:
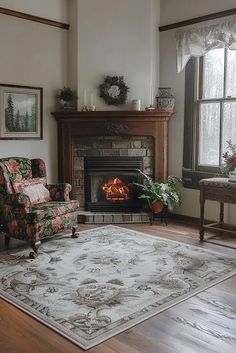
(165, 100)
(232, 176)
(156, 207)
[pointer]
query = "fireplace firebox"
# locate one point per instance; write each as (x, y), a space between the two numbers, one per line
(109, 184)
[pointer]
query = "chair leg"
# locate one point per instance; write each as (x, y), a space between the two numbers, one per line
(35, 246)
(7, 241)
(74, 234)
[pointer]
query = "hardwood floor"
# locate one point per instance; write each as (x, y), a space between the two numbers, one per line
(205, 323)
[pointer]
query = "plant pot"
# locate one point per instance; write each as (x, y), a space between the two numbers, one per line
(67, 104)
(156, 207)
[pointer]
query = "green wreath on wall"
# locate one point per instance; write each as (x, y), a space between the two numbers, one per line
(114, 90)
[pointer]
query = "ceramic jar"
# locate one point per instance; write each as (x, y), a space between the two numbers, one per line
(165, 100)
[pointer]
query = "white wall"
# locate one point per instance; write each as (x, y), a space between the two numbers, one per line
(34, 54)
(169, 78)
(118, 38)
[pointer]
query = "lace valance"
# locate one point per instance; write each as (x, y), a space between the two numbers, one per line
(198, 41)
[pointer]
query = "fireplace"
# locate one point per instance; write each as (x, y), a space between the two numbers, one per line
(112, 134)
(109, 184)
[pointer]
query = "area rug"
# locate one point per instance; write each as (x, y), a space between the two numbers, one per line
(106, 281)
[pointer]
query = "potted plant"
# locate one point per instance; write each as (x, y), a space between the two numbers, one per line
(229, 167)
(67, 97)
(160, 195)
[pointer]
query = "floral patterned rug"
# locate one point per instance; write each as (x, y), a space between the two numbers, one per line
(109, 279)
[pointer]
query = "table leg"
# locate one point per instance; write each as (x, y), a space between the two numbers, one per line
(221, 212)
(202, 204)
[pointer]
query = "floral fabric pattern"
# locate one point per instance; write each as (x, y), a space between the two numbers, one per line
(38, 168)
(24, 221)
(59, 192)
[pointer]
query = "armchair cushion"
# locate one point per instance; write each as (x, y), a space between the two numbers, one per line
(20, 184)
(52, 209)
(34, 188)
(37, 193)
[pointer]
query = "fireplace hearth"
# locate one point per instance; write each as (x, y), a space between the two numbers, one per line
(109, 184)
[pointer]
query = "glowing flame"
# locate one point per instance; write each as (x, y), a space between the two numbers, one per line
(115, 189)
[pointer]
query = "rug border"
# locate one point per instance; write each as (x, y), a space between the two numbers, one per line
(71, 337)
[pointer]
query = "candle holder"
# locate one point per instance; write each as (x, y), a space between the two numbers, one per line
(84, 109)
(92, 108)
(151, 107)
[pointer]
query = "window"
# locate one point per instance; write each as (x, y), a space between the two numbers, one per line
(210, 113)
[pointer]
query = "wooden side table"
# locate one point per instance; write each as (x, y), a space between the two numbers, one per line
(223, 191)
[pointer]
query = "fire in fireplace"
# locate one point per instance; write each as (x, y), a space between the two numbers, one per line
(109, 184)
(116, 189)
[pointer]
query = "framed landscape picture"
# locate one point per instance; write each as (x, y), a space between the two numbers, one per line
(20, 112)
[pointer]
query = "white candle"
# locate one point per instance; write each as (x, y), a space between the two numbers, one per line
(151, 95)
(91, 99)
(85, 97)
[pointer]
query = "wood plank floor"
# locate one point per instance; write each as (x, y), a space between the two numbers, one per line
(205, 323)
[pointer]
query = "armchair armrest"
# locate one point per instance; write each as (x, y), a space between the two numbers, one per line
(17, 199)
(15, 206)
(59, 192)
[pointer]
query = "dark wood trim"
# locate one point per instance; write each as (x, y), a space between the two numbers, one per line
(143, 115)
(33, 18)
(189, 111)
(194, 20)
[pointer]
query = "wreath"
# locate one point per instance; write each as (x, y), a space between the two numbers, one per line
(114, 90)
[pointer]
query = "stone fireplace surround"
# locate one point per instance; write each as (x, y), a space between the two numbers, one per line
(110, 133)
(109, 146)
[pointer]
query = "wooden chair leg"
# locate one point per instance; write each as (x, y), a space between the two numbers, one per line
(35, 247)
(7, 241)
(74, 234)
(202, 204)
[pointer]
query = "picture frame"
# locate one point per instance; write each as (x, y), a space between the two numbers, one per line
(21, 112)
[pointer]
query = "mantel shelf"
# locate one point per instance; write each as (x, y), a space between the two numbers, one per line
(73, 115)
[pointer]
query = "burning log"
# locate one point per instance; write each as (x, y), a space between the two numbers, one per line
(115, 189)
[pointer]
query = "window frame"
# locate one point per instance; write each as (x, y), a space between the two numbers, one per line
(193, 172)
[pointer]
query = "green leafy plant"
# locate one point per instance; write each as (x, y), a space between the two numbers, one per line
(67, 96)
(167, 193)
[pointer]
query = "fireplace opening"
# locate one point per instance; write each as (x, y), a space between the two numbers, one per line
(116, 190)
(109, 184)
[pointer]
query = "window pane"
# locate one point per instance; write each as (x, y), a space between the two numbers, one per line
(209, 131)
(213, 74)
(229, 124)
(231, 74)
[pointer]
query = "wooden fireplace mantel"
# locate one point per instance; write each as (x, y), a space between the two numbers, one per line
(73, 124)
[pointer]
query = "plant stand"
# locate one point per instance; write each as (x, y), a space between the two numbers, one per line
(162, 216)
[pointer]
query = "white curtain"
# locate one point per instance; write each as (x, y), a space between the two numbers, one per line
(198, 41)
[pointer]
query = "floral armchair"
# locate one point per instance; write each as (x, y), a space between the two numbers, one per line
(21, 219)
